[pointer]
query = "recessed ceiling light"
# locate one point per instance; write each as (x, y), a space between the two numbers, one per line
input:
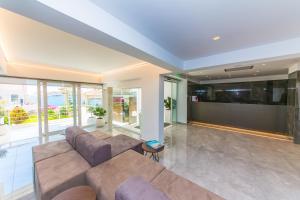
(257, 71)
(215, 38)
(263, 64)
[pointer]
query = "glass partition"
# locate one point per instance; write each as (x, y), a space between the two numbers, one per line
(127, 108)
(91, 96)
(170, 102)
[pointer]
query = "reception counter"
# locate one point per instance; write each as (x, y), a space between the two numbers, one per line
(271, 118)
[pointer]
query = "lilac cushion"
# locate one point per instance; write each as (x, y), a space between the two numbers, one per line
(137, 188)
(72, 133)
(92, 150)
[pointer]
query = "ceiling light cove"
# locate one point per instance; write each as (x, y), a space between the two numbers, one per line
(216, 38)
(238, 68)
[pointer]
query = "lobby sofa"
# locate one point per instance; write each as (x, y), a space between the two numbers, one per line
(63, 164)
(57, 170)
(108, 176)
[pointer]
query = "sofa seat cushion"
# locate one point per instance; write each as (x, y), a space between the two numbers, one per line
(72, 133)
(178, 188)
(137, 188)
(122, 143)
(50, 149)
(106, 178)
(99, 135)
(59, 173)
(93, 151)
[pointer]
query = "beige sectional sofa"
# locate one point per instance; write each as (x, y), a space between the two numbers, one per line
(106, 178)
(59, 166)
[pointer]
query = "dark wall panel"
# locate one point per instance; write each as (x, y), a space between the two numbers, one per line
(271, 118)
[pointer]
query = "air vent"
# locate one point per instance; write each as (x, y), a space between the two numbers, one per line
(238, 68)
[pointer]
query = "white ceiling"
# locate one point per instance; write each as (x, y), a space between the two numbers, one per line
(185, 27)
(260, 69)
(27, 41)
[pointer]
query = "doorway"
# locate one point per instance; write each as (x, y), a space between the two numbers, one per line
(170, 101)
(127, 108)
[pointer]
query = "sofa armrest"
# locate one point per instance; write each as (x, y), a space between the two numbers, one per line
(137, 188)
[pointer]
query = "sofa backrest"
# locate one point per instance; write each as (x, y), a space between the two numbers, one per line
(72, 133)
(93, 151)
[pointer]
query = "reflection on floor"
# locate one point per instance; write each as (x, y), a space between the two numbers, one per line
(16, 169)
(235, 166)
(232, 165)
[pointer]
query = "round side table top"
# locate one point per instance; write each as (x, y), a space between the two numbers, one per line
(77, 193)
(151, 150)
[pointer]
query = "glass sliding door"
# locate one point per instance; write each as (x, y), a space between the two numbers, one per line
(61, 103)
(127, 108)
(174, 89)
(36, 108)
(18, 109)
(91, 96)
(170, 102)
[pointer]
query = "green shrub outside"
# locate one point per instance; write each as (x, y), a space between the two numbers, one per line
(52, 115)
(6, 120)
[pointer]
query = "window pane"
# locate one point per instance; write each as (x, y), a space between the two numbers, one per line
(127, 108)
(18, 109)
(91, 96)
(60, 106)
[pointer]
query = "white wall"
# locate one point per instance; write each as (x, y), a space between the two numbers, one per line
(3, 61)
(148, 78)
(182, 101)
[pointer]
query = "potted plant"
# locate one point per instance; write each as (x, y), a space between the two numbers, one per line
(99, 113)
(167, 103)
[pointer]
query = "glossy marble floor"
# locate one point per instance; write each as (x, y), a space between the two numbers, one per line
(235, 166)
(16, 169)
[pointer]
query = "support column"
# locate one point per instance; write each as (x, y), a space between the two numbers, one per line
(74, 104)
(45, 109)
(161, 108)
(39, 111)
(152, 117)
(293, 103)
(79, 104)
(109, 93)
(182, 101)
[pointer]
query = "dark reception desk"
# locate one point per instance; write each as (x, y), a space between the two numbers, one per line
(271, 118)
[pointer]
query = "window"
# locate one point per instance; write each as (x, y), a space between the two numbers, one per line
(91, 96)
